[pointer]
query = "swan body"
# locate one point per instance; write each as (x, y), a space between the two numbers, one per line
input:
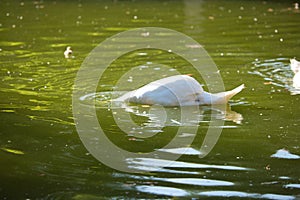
(179, 90)
(295, 66)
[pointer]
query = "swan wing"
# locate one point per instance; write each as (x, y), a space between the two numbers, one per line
(170, 91)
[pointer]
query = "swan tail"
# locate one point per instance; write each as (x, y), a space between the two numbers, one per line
(231, 93)
(206, 98)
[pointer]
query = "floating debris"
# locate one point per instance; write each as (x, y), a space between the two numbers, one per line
(68, 52)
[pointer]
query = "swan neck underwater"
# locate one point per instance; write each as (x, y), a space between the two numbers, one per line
(178, 90)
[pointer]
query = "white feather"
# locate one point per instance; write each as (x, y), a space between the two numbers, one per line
(179, 90)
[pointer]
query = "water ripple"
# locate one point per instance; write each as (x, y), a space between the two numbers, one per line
(163, 190)
(275, 72)
(237, 194)
(138, 162)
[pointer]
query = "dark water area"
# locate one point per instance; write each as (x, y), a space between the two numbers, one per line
(251, 42)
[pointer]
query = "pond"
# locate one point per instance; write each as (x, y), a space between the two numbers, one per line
(42, 151)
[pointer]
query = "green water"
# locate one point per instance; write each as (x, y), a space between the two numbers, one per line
(251, 42)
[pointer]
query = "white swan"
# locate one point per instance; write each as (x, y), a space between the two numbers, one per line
(295, 66)
(68, 52)
(179, 90)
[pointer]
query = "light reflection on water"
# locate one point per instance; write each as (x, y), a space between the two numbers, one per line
(104, 100)
(178, 164)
